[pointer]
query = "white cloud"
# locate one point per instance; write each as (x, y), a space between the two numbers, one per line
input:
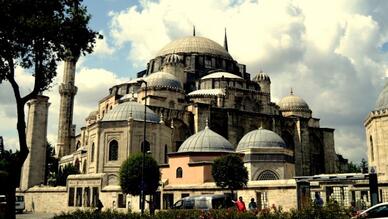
(327, 51)
(102, 48)
(93, 84)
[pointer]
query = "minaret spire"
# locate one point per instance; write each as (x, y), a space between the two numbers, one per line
(226, 41)
(193, 30)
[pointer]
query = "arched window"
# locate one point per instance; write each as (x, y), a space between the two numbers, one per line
(165, 153)
(113, 150)
(92, 153)
(267, 175)
(78, 145)
(179, 172)
(371, 148)
(76, 164)
(84, 168)
(171, 104)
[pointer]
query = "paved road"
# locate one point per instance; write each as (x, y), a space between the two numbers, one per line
(35, 216)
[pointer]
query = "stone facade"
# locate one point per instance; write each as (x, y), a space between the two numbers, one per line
(376, 130)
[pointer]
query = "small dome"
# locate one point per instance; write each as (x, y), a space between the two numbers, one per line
(260, 138)
(194, 44)
(92, 115)
(163, 80)
(221, 74)
(382, 100)
(293, 103)
(261, 77)
(172, 59)
(206, 141)
(135, 110)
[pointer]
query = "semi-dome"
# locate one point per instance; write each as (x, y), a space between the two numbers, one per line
(382, 100)
(221, 74)
(206, 141)
(163, 80)
(125, 110)
(293, 103)
(194, 44)
(260, 138)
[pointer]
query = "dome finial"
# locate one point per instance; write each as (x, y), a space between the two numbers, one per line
(172, 123)
(193, 30)
(292, 91)
(207, 123)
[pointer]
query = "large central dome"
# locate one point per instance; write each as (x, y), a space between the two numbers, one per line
(194, 44)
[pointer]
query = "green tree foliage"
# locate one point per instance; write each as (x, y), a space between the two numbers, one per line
(363, 166)
(229, 172)
(51, 170)
(34, 35)
(130, 175)
(63, 173)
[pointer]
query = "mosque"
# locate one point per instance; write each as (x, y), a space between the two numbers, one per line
(196, 103)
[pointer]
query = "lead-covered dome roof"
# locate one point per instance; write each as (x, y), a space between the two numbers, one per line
(260, 138)
(293, 103)
(194, 44)
(261, 76)
(125, 110)
(206, 141)
(163, 80)
(382, 100)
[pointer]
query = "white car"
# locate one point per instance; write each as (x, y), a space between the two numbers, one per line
(376, 211)
(19, 203)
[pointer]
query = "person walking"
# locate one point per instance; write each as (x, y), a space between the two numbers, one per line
(99, 206)
(240, 205)
(252, 206)
(318, 202)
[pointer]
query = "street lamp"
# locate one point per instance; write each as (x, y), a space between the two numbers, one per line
(144, 144)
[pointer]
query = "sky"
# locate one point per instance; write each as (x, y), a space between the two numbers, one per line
(333, 53)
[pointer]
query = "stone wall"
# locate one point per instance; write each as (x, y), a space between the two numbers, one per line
(45, 199)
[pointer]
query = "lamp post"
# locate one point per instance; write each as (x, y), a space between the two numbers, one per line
(144, 144)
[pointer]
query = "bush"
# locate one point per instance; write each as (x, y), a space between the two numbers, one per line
(330, 211)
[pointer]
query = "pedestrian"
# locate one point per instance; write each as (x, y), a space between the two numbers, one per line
(318, 202)
(99, 205)
(252, 206)
(240, 205)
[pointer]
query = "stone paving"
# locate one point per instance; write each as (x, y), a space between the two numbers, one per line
(34, 216)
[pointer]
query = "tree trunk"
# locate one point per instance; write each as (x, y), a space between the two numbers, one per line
(17, 162)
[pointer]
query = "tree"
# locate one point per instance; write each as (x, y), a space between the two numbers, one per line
(130, 175)
(229, 172)
(51, 169)
(363, 166)
(353, 168)
(35, 35)
(61, 177)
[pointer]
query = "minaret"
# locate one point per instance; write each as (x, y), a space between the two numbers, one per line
(193, 30)
(67, 90)
(33, 171)
(226, 42)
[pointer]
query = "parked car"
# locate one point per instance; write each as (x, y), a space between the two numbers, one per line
(19, 203)
(376, 211)
(204, 202)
